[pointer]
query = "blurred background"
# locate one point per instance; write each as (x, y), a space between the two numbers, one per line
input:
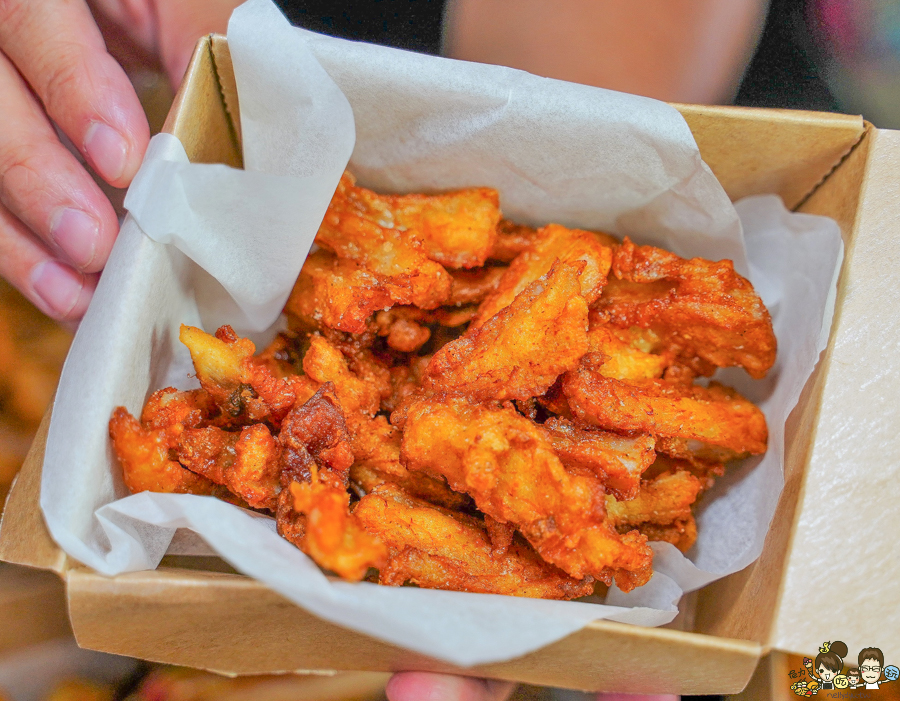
(827, 55)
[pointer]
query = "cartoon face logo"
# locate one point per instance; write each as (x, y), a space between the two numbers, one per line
(891, 672)
(870, 671)
(825, 674)
(841, 682)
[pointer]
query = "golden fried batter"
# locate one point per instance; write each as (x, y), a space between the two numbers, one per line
(334, 537)
(358, 227)
(617, 460)
(340, 294)
(508, 465)
(472, 286)
(247, 463)
(521, 351)
(716, 415)
(662, 500)
(439, 549)
(144, 456)
(553, 243)
(704, 312)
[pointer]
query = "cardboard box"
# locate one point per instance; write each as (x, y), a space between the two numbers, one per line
(826, 571)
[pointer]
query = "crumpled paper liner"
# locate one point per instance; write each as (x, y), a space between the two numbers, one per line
(206, 244)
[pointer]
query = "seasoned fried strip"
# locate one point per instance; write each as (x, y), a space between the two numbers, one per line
(333, 537)
(662, 500)
(359, 227)
(553, 243)
(521, 351)
(402, 328)
(144, 456)
(617, 460)
(246, 462)
(512, 239)
(439, 549)
(472, 286)
(508, 466)
(620, 359)
(340, 294)
(704, 312)
(458, 229)
(716, 415)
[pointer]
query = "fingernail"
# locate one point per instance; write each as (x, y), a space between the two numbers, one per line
(58, 286)
(107, 150)
(76, 233)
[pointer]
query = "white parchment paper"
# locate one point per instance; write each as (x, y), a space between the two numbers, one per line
(206, 244)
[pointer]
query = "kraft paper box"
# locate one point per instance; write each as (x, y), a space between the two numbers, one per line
(830, 539)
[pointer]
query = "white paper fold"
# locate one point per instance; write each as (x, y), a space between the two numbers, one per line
(220, 241)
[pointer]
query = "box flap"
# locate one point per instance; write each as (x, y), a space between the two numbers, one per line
(32, 607)
(847, 511)
(757, 151)
(24, 538)
(233, 624)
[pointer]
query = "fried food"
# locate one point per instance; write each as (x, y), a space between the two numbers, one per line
(359, 226)
(521, 351)
(144, 457)
(618, 460)
(507, 464)
(702, 311)
(553, 243)
(714, 415)
(521, 429)
(436, 548)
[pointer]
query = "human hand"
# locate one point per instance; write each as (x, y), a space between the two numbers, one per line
(56, 226)
(424, 686)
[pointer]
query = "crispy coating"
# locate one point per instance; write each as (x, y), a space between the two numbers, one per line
(682, 533)
(472, 286)
(340, 294)
(359, 227)
(436, 548)
(333, 536)
(245, 462)
(401, 328)
(553, 243)
(662, 500)
(703, 311)
(621, 359)
(716, 416)
(508, 465)
(361, 382)
(512, 239)
(521, 351)
(619, 461)
(144, 457)
(365, 477)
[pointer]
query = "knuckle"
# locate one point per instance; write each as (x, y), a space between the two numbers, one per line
(12, 13)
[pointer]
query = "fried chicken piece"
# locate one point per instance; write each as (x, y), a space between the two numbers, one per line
(472, 286)
(360, 381)
(245, 462)
(402, 328)
(706, 472)
(144, 456)
(245, 391)
(618, 461)
(340, 294)
(173, 411)
(521, 351)
(366, 478)
(359, 227)
(456, 229)
(333, 536)
(508, 465)
(512, 239)
(553, 243)
(715, 416)
(622, 359)
(440, 549)
(661, 500)
(682, 533)
(703, 311)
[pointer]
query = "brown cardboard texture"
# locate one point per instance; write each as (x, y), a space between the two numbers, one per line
(825, 572)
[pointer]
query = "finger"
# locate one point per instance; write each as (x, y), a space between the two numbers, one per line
(424, 686)
(43, 184)
(55, 288)
(59, 51)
